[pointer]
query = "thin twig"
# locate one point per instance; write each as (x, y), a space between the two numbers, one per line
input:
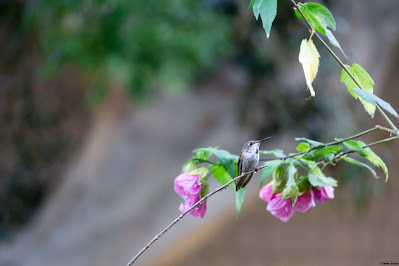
(187, 211)
(341, 63)
(381, 141)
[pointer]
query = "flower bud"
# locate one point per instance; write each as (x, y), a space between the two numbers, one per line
(292, 193)
(203, 174)
(304, 184)
(279, 179)
(189, 166)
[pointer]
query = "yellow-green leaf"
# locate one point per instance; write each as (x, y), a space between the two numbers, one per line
(309, 58)
(364, 79)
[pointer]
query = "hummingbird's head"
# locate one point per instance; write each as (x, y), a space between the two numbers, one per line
(252, 146)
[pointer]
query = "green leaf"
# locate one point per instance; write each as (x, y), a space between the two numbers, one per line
(267, 9)
(355, 146)
(364, 79)
(358, 147)
(377, 161)
(334, 41)
(222, 176)
(313, 143)
(225, 158)
(303, 146)
(373, 99)
(326, 152)
(356, 162)
(266, 172)
(319, 17)
(251, 4)
(304, 164)
(239, 200)
(276, 153)
(309, 58)
(322, 181)
(314, 169)
(291, 174)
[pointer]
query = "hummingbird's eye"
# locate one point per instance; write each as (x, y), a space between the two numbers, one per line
(251, 143)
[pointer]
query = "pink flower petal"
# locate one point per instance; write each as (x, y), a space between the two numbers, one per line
(186, 186)
(197, 211)
(305, 202)
(266, 193)
(324, 194)
(282, 209)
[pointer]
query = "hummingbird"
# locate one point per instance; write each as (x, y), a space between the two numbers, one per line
(248, 161)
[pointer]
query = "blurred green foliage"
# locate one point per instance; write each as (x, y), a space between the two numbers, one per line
(143, 45)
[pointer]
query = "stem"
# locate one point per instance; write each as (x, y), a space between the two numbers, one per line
(341, 63)
(377, 127)
(387, 119)
(205, 161)
(187, 211)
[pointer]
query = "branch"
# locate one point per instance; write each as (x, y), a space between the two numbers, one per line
(381, 141)
(377, 127)
(263, 166)
(341, 64)
(187, 211)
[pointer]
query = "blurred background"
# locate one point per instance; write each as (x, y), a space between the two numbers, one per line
(102, 101)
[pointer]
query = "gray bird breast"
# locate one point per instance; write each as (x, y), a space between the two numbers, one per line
(252, 160)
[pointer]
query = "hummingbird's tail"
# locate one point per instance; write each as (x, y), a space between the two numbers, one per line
(243, 181)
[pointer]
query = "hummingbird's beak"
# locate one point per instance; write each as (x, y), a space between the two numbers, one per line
(265, 138)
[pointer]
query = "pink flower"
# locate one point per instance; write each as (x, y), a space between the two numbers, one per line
(186, 186)
(305, 202)
(282, 209)
(324, 194)
(197, 211)
(266, 193)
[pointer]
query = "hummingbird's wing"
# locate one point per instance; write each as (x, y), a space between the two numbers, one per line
(239, 166)
(243, 181)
